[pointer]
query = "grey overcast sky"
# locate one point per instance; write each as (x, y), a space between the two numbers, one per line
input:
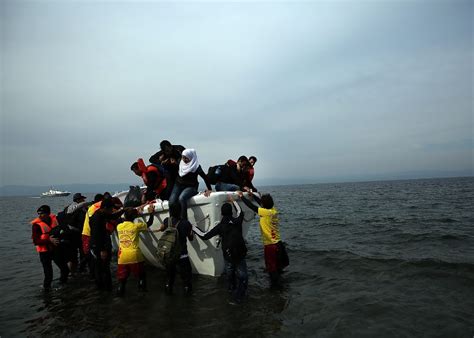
(315, 89)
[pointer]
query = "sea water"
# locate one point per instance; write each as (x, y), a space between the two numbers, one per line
(374, 259)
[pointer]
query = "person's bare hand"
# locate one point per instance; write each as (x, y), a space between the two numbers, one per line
(54, 240)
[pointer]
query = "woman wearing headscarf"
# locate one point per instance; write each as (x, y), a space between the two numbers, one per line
(187, 184)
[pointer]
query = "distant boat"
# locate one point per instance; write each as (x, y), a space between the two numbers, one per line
(55, 193)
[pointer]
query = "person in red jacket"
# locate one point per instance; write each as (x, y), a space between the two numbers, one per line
(41, 227)
(153, 178)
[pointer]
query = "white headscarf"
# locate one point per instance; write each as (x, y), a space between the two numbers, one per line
(192, 165)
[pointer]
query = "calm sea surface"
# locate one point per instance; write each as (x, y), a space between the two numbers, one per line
(377, 259)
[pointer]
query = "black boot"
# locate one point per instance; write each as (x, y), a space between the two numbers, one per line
(142, 285)
(121, 288)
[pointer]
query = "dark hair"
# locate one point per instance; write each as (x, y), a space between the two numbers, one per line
(107, 195)
(243, 158)
(130, 214)
(45, 209)
(107, 203)
(98, 198)
(175, 210)
(267, 201)
(165, 143)
(226, 209)
(253, 157)
(134, 166)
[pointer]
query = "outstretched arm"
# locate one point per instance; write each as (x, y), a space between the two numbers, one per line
(211, 233)
(251, 206)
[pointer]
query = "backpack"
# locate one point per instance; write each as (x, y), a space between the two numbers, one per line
(214, 173)
(133, 198)
(168, 249)
(63, 218)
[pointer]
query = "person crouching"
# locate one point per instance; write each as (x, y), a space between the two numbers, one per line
(130, 257)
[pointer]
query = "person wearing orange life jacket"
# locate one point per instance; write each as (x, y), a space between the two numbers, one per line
(41, 227)
(86, 233)
(153, 178)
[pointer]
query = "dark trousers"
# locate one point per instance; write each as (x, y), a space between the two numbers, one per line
(237, 278)
(185, 270)
(46, 259)
(103, 275)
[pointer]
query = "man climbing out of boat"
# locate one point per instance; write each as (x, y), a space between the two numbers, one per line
(187, 184)
(274, 250)
(154, 178)
(233, 249)
(182, 263)
(168, 157)
(233, 176)
(41, 227)
(101, 244)
(251, 170)
(130, 257)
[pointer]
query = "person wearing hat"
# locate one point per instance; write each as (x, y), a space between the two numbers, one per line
(76, 214)
(233, 249)
(41, 227)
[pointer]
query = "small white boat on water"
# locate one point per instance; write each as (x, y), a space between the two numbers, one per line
(55, 193)
(204, 212)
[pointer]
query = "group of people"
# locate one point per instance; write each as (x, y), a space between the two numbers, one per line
(79, 237)
(174, 170)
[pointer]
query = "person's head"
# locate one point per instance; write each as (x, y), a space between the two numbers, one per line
(226, 209)
(107, 195)
(252, 160)
(267, 201)
(135, 169)
(43, 212)
(166, 146)
(78, 197)
(107, 206)
(175, 210)
(98, 198)
(188, 155)
(242, 163)
(130, 214)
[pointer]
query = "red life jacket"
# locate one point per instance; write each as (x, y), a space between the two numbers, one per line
(161, 182)
(45, 229)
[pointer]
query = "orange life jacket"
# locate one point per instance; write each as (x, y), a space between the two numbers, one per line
(161, 182)
(45, 229)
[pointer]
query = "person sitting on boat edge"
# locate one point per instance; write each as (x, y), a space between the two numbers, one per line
(233, 176)
(274, 251)
(187, 184)
(234, 249)
(183, 264)
(154, 178)
(168, 157)
(41, 227)
(130, 257)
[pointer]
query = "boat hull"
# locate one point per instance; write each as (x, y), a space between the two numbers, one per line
(204, 212)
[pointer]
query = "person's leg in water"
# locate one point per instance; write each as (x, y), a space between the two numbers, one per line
(185, 271)
(170, 277)
(271, 263)
(123, 271)
(230, 276)
(46, 261)
(139, 272)
(241, 275)
(60, 258)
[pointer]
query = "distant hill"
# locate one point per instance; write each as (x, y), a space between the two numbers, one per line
(24, 190)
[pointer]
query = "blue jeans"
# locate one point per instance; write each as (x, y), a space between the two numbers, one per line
(221, 186)
(182, 194)
(237, 278)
